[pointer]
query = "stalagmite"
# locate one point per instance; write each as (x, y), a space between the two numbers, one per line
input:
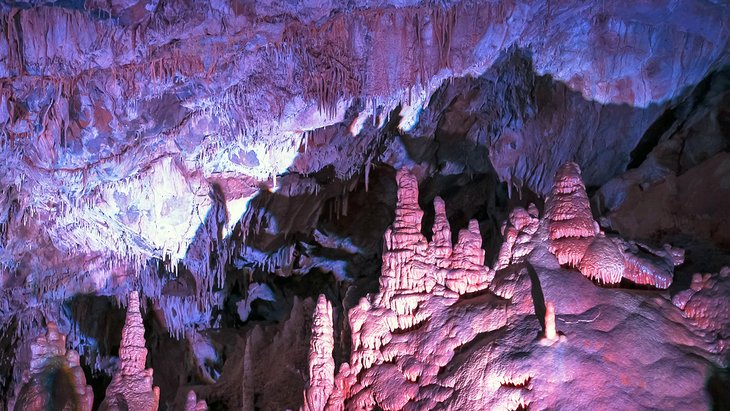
(577, 241)
(517, 232)
(131, 387)
(567, 209)
(441, 239)
(321, 363)
(247, 391)
(550, 332)
(192, 403)
(55, 379)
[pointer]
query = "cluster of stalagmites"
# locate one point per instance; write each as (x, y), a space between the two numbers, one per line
(54, 370)
(405, 334)
(577, 241)
(418, 278)
(392, 365)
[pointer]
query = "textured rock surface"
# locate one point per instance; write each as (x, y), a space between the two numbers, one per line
(98, 111)
(485, 350)
(235, 160)
(131, 388)
(321, 364)
(576, 240)
(54, 379)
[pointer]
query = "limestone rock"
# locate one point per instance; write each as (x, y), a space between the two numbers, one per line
(55, 379)
(131, 387)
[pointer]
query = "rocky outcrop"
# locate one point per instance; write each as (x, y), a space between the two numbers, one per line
(54, 379)
(498, 339)
(131, 387)
(192, 403)
(704, 303)
(576, 240)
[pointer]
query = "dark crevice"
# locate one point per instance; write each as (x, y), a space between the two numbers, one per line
(651, 137)
(669, 118)
(538, 298)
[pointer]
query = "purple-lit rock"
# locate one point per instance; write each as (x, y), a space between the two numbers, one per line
(389, 204)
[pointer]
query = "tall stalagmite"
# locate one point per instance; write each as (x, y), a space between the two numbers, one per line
(577, 241)
(321, 363)
(131, 388)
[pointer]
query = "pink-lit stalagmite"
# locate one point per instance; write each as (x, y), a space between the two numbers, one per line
(131, 387)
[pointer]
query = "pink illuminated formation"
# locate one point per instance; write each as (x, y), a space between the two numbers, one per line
(232, 159)
(447, 332)
(706, 304)
(577, 241)
(131, 388)
(518, 232)
(550, 331)
(53, 366)
(419, 280)
(321, 364)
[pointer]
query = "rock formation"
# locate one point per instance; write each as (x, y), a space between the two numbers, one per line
(54, 379)
(131, 388)
(321, 364)
(420, 280)
(517, 232)
(446, 332)
(192, 403)
(233, 159)
(577, 241)
(704, 304)
(550, 332)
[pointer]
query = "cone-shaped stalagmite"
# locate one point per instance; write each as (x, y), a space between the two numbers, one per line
(568, 212)
(576, 240)
(131, 388)
(321, 363)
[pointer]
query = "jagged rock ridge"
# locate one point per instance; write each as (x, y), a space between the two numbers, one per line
(447, 332)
